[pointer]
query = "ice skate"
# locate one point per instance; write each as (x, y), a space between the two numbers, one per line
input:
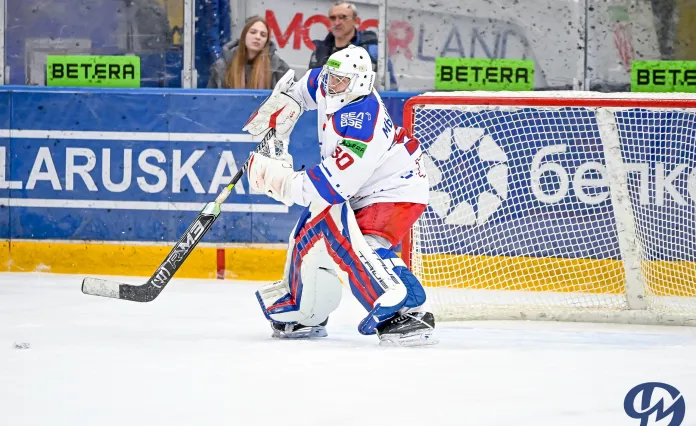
(298, 331)
(410, 329)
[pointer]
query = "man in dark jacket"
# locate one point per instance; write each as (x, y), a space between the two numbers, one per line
(343, 33)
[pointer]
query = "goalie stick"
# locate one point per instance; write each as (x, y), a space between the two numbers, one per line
(153, 287)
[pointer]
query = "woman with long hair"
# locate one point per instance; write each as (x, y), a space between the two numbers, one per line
(251, 62)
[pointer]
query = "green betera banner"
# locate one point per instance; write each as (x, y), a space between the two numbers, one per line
(93, 71)
(484, 74)
(663, 76)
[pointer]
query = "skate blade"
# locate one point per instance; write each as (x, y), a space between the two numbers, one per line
(315, 332)
(408, 340)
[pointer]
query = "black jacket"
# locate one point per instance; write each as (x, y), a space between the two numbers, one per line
(365, 39)
(327, 47)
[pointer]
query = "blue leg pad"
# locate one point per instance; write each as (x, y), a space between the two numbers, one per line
(416, 294)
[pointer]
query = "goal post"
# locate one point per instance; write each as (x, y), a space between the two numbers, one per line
(572, 206)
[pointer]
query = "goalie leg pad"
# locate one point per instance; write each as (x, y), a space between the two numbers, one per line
(368, 274)
(310, 289)
(352, 264)
(328, 245)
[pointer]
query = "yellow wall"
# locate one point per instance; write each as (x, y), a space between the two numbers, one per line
(241, 263)
(265, 263)
(664, 278)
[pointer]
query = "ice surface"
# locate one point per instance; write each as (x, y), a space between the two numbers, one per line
(201, 354)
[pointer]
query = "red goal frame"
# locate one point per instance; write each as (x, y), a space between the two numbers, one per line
(552, 99)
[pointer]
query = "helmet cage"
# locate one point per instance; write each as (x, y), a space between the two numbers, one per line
(339, 77)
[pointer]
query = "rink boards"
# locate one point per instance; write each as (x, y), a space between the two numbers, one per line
(104, 181)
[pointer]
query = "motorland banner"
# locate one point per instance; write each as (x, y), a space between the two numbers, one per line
(551, 33)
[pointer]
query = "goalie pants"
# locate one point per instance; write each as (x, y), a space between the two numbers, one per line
(328, 246)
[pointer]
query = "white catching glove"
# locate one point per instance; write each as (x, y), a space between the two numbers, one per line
(279, 111)
(272, 177)
(286, 82)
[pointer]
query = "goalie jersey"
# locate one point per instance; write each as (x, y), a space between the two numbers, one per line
(365, 158)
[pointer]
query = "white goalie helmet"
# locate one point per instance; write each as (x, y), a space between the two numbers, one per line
(347, 76)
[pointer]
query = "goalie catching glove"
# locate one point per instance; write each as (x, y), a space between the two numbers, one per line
(273, 177)
(280, 111)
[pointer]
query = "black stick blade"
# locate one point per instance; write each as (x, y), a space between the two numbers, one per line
(106, 288)
(153, 287)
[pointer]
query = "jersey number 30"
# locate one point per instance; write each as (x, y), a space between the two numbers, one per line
(343, 159)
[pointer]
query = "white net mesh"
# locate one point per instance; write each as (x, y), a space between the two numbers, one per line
(526, 218)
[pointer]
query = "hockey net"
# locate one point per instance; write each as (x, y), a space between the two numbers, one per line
(557, 205)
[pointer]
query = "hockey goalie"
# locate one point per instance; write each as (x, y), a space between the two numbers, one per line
(361, 199)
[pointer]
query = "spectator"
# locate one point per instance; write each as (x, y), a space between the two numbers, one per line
(253, 64)
(343, 16)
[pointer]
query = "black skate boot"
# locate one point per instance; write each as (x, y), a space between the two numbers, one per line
(298, 331)
(410, 329)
